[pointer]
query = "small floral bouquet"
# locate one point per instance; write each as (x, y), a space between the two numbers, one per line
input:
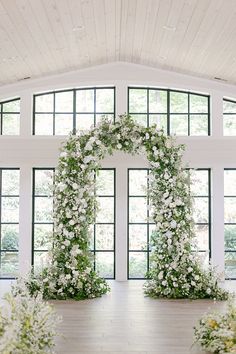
(27, 323)
(216, 332)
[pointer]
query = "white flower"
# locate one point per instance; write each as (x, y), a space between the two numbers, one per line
(66, 242)
(168, 233)
(173, 224)
(71, 222)
(63, 154)
(160, 275)
(119, 146)
(190, 269)
(208, 291)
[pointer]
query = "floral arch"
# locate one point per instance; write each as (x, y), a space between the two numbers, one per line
(176, 272)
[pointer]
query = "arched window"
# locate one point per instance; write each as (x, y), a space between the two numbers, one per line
(176, 112)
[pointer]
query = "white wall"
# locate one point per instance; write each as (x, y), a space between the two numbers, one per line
(27, 151)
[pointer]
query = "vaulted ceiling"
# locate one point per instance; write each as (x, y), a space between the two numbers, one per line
(43, 37)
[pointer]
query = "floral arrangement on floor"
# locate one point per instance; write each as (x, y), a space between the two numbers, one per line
(176, 272)
(27, 324)
(216, 332)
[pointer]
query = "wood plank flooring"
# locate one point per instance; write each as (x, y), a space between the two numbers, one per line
(126, 322)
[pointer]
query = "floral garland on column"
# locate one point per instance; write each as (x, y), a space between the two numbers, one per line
(175, 273)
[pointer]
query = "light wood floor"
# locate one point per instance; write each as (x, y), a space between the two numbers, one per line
(124, 321)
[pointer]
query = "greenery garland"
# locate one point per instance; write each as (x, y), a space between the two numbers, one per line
(176, 272)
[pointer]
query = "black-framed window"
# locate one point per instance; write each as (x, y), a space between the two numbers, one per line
(102, 243)
(42, 223)
(229, 117)
(140, 225)
(9, 222)
(200, 189)
(10, 117)
(62, 112)
(230, 222)
(176, 112)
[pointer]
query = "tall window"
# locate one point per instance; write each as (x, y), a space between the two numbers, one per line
(229, 117)
(201, 191)
(230, 222)
(9, 222)
(42, 215)
(140, 225)
(176, 112)
(62, 112)
(103, 233)
(10, 117)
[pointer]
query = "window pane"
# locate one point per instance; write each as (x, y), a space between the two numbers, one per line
(230, 237)
(179, 124)
(230, 210)
(10, 182)
(199, 183)
(40, 260)
(105, 100)
(11, 124)
(104, 237)
(100, 117)
(229, 124)
(43, 182)
(106, 210)
(159, 120)
(178, 102)
(43, 124)
(137, 100)
(140, 119)
(200, 212)
(44, 103)
(9, 264)
(105, 264)
(9, 237)
(10, 209)
(230, 182)
(63, 124)
(11, 106)
(105, 182)
(43, 209)
(198, 104)
(202, 234)
(199, 125)
(157, 101)
(229, 107)
(137, 264)
(85, 100)
(138, 182)
(42, 236)
(137, 237)
(137, 209)
(84, 121)
(64, 101)
(230, 264)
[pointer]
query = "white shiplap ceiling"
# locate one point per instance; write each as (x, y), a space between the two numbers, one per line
(43, 37)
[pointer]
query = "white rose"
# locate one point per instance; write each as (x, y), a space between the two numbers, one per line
(160, 275)
(63, 154)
